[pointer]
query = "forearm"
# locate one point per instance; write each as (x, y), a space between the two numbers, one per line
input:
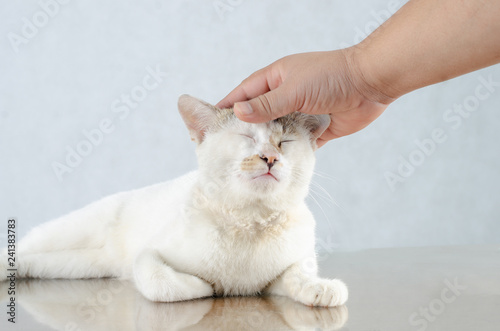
(429, 41)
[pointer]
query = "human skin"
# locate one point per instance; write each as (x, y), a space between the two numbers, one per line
(425, 42)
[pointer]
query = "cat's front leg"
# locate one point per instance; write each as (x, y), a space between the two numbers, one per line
(305, 287)
(159, 282)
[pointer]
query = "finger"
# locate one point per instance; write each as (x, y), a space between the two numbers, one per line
(267, 107)
(258, 83)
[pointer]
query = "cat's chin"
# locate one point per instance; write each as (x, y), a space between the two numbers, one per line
(266, 177)
(264, 183)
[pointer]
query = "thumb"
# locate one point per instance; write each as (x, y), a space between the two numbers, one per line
(266, 107)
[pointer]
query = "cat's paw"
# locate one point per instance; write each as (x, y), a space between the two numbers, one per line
(180, 288)
(323, 293)
(161, 283)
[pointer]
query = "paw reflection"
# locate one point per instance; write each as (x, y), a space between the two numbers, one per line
(105, 304)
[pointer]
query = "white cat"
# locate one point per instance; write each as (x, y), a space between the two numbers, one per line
(237, 226)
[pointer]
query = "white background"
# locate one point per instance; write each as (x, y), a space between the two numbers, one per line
(63, 78)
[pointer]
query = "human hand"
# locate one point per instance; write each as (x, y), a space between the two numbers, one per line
(313, 83)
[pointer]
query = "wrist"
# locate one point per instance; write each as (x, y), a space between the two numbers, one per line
(368, 78)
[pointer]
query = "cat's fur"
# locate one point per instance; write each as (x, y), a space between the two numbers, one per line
(237, 226)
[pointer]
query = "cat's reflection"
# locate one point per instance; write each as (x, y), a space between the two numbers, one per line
(105, 304)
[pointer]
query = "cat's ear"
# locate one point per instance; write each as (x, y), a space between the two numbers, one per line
(198, 116)
(316, 124)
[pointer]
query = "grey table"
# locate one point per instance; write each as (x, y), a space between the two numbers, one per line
(431, 288)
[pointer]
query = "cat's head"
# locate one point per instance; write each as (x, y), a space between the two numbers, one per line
(244, 162)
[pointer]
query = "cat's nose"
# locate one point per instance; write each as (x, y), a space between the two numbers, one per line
(269, 159)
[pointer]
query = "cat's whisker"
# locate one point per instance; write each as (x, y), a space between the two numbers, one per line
(323, 193)
(317, 190)
(323, 212)
(330, 198)
(325, 176)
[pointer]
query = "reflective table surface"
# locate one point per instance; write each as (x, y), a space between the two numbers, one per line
(431, 288)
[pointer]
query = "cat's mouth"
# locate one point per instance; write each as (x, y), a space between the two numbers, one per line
(267, 175)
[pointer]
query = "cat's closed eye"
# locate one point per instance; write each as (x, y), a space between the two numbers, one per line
(247, 136)
(284, 141)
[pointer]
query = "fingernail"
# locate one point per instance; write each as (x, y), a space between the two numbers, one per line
(243, 108)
